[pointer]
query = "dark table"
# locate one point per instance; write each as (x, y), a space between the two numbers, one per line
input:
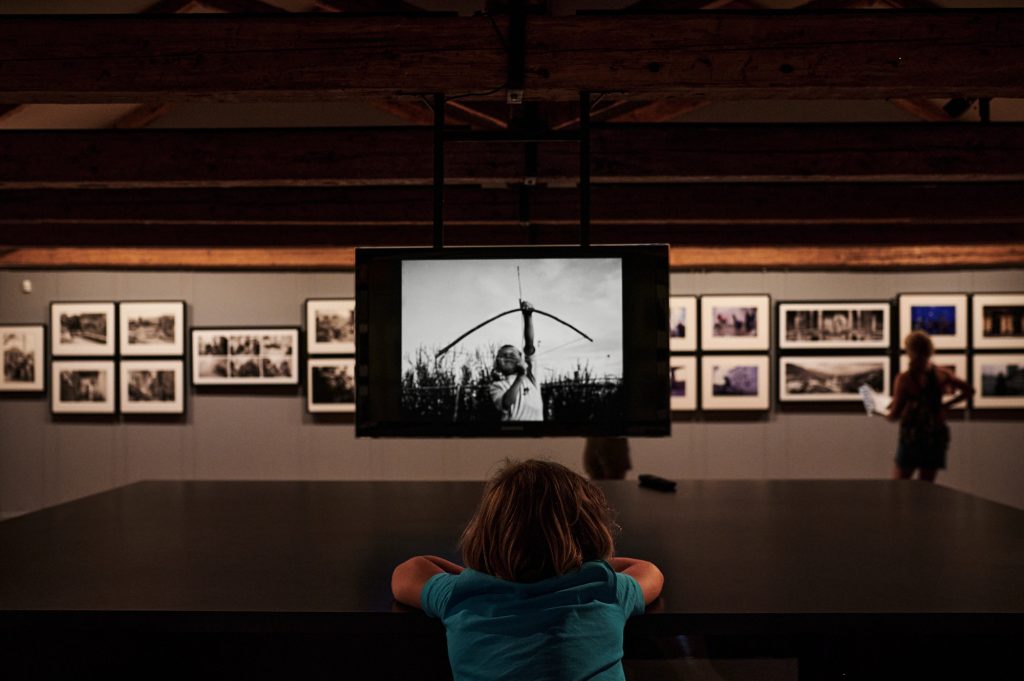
(810, 560)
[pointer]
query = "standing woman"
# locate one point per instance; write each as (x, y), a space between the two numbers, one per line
(917, 404)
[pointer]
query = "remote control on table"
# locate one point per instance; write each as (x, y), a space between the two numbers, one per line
(657, 482)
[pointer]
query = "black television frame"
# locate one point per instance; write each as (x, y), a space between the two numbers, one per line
(645, 292)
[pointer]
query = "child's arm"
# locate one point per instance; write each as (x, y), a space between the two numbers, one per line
(644, 572)
(408, 578)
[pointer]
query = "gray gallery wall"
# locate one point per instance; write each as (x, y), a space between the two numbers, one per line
(270, 436)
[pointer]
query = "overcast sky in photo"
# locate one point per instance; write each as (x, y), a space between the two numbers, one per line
(442, 299)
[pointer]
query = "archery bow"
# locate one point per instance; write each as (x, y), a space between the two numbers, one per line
(502, 314)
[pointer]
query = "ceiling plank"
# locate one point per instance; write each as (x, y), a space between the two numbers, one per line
(403, 156)
(243, 6)
(370, 6)
(661, 111)
(723, 214)
(718, 55)
(141, 116)
(680, 257)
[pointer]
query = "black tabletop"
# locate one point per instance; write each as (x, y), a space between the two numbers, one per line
(738, 556)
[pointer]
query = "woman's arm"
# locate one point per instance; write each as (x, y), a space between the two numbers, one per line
(963, 388)
(408, 578)
(644, 572)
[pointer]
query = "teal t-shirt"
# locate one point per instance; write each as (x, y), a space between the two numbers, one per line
(566, 627)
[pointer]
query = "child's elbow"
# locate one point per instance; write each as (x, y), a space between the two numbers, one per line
(655, 584)
(402, 584)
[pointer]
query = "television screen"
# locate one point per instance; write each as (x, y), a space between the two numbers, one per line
(512, 341)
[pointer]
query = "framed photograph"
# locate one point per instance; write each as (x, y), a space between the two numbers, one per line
(957, 363)
(682, 323)
(24, 355)
(253, 356)
(998, 321)
(735, 322)
(683, 382)
(82, 386)
(151, 329)
(331, 385)
(331, 326)
(832, 378)
(152, 386)
(999, 381)
(821, 326)
(82, 329)
(730, 382)
(942, 316)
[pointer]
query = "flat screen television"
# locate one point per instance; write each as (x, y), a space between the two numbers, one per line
(512, 341)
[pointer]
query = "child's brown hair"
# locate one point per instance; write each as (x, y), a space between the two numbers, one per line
(537, 519)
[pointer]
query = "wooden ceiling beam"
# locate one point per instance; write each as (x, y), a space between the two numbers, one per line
(680, 258)
(717, 55)
(32, 217)
(620, 153)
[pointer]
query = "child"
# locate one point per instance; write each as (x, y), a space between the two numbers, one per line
(541, 596)
(515, 390)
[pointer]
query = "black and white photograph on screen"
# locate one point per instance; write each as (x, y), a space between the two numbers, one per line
(833, 325)
(254, 356)
(735, 322)
(331, 326)
(951, 362)
(943, 316)
(82, 387)
(151, 329)
(331, 385)
(152, 386)
(82, 329)
(24, 355)
(998, 321)
(738, 382)
(682, 323)
(998, 381)
(513, 340)
(683, 382)
(832, 378)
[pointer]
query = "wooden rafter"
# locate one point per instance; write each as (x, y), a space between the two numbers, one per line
(702, 55)
(689, 257)
(141, 116)
(370, 6)
(746, 213)
(243, 6)
(403, 156)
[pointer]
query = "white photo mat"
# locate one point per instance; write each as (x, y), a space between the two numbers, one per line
(245, 356)
(23, 353)
(320, 396)
(735, 382)
(998, 321)
(831, 320)
(991, 369)
(682, 323)
(832, 378)
(80, 329)
(942, 316)
(83, 386)
(152, 386)
(330, 326)
(683, 379)
(735, 322)
(151, 328)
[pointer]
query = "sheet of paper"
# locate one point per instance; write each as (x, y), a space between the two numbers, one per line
(875, 403)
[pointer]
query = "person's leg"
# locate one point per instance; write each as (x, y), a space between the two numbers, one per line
(899, 473)
(928, 474)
